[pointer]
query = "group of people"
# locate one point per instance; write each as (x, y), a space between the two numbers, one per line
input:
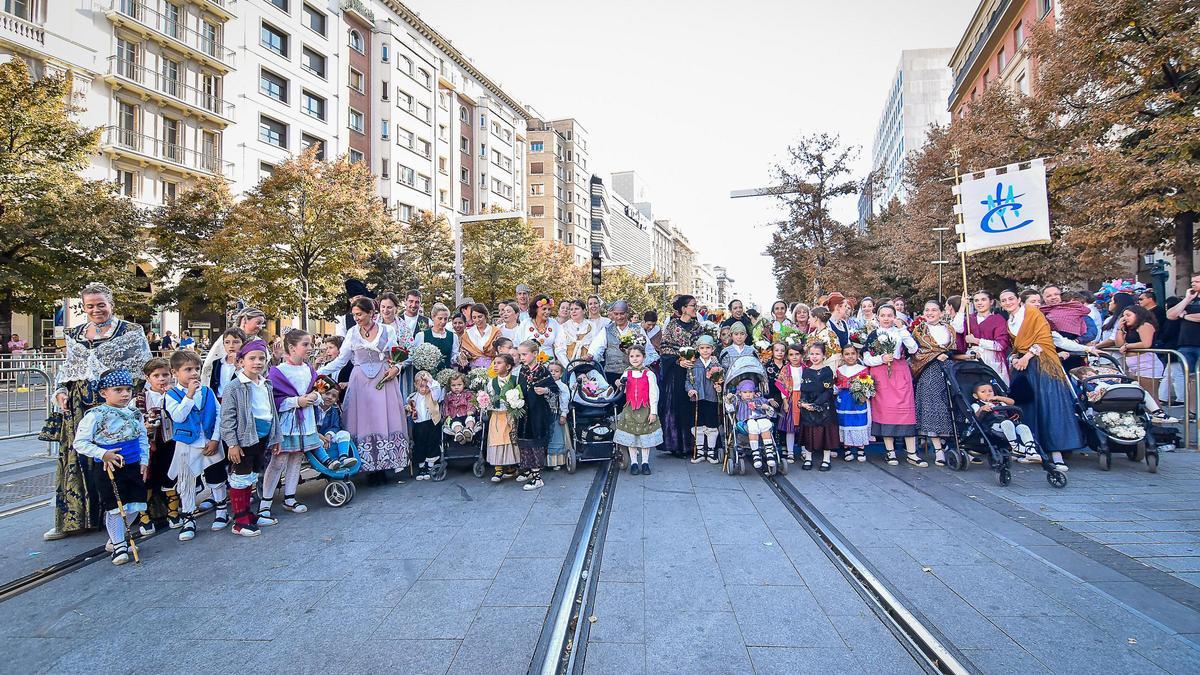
(141, 435)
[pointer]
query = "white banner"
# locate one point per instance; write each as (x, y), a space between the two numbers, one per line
(1004, 210)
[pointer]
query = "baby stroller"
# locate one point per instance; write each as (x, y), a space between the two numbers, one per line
(592, 418)
(453, 451)
(1117, 419)
(973, 436)
(737, 441)
(339, 488)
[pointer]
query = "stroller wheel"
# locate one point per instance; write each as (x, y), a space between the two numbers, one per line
(477, 468)
(1005, 475)
(572, 461)
(353, 489)
(337, 494)
(1057, 479)
(1105, 461)
(953, 461)
(781, 467)
(1139, 453)
(739, 464)
(1152, 462)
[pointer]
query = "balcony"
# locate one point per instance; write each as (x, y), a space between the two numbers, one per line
(147, 150)
(154, 85)
(140, 18)
(219, 8)
(13, 24)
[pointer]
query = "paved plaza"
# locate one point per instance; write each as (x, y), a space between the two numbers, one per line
(700, 573)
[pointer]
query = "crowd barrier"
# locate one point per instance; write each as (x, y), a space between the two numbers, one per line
(25, 406)
(1175, 368)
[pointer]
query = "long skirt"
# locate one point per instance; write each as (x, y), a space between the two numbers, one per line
(635, 430)
(560, 440)
(934, 417)
(76, 495)
(675, 408)
(376, 421)
(1047, 407)
(820, 436)
(854, 420)
(501, 451)
(893, 410)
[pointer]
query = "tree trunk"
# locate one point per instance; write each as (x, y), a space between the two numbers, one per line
(6, 319)
(1185, 227)
(304, 306)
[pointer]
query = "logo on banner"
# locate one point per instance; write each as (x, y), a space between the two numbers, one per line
(998, 206)
(1003, 207)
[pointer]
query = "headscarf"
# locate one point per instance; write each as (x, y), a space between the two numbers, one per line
(1067, 317)
(1035, 330)
(118, 377)
(254, 345)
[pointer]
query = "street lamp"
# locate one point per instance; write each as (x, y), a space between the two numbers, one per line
(458, 243)
(1158, 275)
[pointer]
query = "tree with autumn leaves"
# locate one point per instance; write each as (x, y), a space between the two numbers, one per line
(1116, 112)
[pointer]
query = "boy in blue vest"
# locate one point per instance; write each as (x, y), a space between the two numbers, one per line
(194, 411)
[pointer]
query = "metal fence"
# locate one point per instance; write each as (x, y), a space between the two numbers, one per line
(1175, 369)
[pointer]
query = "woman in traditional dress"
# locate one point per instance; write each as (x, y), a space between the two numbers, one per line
(578, 338)
(675, 408)
(478, 340)
(820, 331)
(839, 308)
(542, 327)
(984, 334)
(439, 336)
(651, 327)
(373, 415)
(800, 315)
(773, 324)
(510, 322)
(935, 342)
(1040, 386)
(103, 343)
(389, 315)
(893, 410)
(865, 320)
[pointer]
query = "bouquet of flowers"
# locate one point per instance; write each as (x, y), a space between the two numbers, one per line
(426, 356)
(484, 401)
(396, 356)
(884, 344)
(632, 338)
(1123, 426)
(917, 321)
(476, 379)
(764, 350)
(716, 375)
(687, 353)
(513, 402)
(711, 329)
(858, 338)
(791, 337)
(324, 383)
(862, 387)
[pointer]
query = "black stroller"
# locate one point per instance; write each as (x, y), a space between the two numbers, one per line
(1130, 430)
(592, 418)
(467, 451)
(737, 441)
(972, 437)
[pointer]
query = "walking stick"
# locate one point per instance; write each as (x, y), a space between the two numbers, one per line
(121, 509)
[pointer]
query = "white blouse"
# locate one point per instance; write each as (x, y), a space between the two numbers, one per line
(903, 338)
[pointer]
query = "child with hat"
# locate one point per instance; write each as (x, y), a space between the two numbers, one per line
(754, 412)
(704, 388)
(250, 430)
(738, 348)
(113, 434)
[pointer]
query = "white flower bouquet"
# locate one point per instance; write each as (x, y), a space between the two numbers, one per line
(426, 356)
(1122, 426)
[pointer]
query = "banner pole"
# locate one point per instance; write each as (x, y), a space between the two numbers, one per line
(956, 155)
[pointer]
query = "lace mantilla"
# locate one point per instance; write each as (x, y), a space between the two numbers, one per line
(127, 348)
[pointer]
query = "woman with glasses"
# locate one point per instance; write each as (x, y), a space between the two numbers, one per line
(674, 406)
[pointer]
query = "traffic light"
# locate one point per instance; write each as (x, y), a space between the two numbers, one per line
(596, 267)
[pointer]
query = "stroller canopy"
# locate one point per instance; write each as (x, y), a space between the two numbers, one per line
(589, 386)
(746, 367)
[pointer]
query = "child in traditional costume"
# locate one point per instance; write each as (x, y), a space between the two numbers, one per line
(738, 348)
(754, 412)
(560, 436)
(540, 395)
(160, 489)
(251, 431)
(335, 451)
(638, 427)
(194, 411)
(292, 386)
(854, 416)
(1019, 436)
(818, 413)
(113, 434)
(704, 389)
(788, 384)
(502, 452)
(460, 408)
(426, 415)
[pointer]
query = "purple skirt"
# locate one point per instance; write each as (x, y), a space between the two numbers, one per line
(376, 421)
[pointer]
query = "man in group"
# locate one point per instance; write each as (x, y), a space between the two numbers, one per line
(1149, 300)
(737, 314)
(1188, 311)
(610, 353)
(524, 292)
(251, 320)
(412, 316)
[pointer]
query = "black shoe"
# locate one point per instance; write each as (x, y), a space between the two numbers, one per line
(825, 466)
(635, 469)
(645, 469)
(807, 465)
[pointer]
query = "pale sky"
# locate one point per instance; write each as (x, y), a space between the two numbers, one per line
(701, 97)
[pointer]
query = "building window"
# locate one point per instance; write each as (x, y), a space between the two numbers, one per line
(483, 150)
(465, 205)
(423, 112)
(171, 15)
(404, 64)
(1044, 7)
(127, 181)
(536, 146)
(313, 62)
(281, 4)
(313, 105)
(307, 141)
(464, 145)
(403, 100)
(169, 191)
(273, 86)
(314, 19)
(443, 166)
(357, 121)
(274, 39)
(385, 91)
(385, 53)
(384, 129)
(272, 132)
(1001, 59)
(404, 212)
(443, 197)
(18, 8)
(537, 210)
(463, 114)
(406, 175)
(172, 140)
(265, 170)
(1019, 34)
(405, 138)
(424, 183)
(383, 168)
(356, 42)
(536, 168)
(464, 175)
(170, 75)
(424, 78)
(1023, 84)
(355, 156)
(537, 189)
(357, 82)
(425, 148)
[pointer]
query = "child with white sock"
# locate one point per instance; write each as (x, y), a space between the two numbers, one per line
(638, 427)
(791, 376)
(1019, 436)
(113, 434)
(194, 411)
(295, 399)
(704, 389)
(425, 413)
(754, 412)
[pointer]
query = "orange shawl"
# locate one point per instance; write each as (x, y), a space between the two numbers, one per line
(1035, 330)
(475, 351)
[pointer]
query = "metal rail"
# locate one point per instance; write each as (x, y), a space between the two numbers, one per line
(567, 624)
(1191, 394)
(923, 642)
(26, 399)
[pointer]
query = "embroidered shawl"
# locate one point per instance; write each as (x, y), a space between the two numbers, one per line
(87, 359)
(1035, 330)
(928, 348)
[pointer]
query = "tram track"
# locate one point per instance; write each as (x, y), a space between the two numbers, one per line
(928, 648)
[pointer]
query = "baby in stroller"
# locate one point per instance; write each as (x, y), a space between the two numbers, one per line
(334, 451)
(1006, 421)
(460, 407)
(754, 415)
(1099, 386)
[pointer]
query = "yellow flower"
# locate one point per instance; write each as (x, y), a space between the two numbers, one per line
(542, 357)
(491, 372)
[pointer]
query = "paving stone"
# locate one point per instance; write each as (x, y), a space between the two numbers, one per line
(993, 591)
(525, 582)
(1013, 661)
(435, 609)
(695, 642)
(620, 611)
(31, 655)
(666, 595)
(791, 660)
(763, 616)
(756, 565)
(873, 646)
(606, 658)
(500, 640)
(1074, 641)
(543, 541)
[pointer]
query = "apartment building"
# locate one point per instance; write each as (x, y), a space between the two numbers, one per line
(560, 184)
(683, 262)
(992, 50)
(725, 290)
(705, 280)
(634, 190)
(663, 247)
